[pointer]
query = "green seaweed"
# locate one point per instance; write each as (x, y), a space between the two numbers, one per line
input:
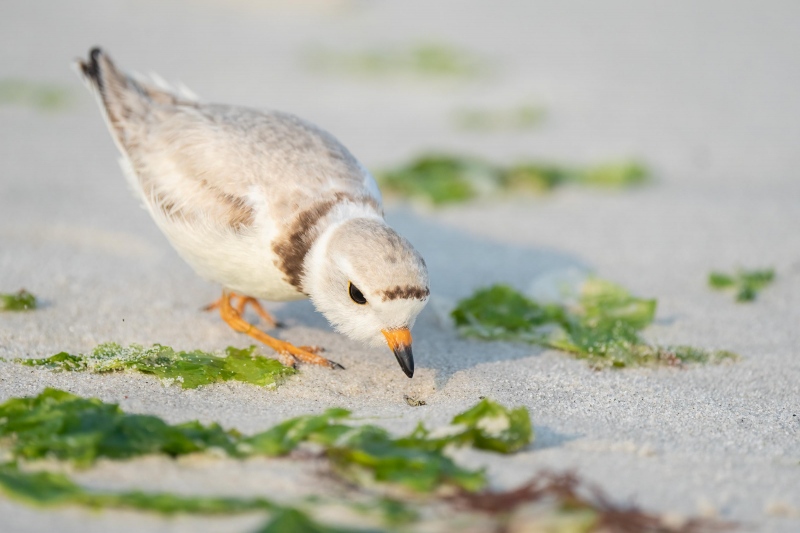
(189, 369)
(602, 326)
(427, 60)
(535, 177)
(19, 301)
(295, 521)
(614, 174)
(50, 489)
(522, 117)
(418, 461)
(560, 502)
(441, 178)
(367, 453)
(42, 96)
(390, 511)
(322, 429)
(490, 426)
(746, 284)
(54, 489)
(57, 424)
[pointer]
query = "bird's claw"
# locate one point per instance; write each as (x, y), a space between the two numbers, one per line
(290, 358)
(334, 365)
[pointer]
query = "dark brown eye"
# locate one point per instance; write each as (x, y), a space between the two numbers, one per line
(356, 295)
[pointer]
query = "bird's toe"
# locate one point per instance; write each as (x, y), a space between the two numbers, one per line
(313, 348)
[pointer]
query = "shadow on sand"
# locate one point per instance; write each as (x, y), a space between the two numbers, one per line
(458, 263)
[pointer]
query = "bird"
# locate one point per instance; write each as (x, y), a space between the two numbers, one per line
(268, 206)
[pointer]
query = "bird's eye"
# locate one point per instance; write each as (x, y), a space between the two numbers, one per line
(356, 295)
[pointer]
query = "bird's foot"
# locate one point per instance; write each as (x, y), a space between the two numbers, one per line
(241, 306)
(309, 355)
(313, 348)
(288, 353)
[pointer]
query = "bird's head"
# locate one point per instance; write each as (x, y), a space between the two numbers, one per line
(370, 283)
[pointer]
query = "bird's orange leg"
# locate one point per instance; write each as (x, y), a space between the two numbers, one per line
(289, 354)
(242, 305)
(260, 311)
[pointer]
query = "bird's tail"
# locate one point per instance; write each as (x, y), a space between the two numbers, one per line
(124, 102)
(127, 100)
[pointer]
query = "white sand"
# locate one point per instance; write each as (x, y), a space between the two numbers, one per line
(707, 95)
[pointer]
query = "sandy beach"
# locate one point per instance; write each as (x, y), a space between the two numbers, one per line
(705, 95)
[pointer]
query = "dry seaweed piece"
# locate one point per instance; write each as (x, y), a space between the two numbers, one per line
(602, 326)
(189, 369)
(574, 511)
(745, 283)
(19, 301)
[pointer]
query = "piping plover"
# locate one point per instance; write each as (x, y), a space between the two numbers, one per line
(268, 206)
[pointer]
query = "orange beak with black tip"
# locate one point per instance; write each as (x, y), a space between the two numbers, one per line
(399, 341)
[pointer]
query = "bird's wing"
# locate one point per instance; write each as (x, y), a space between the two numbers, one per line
(221, 164)
(227, 163)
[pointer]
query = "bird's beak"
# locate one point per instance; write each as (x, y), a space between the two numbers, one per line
(400, 342)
